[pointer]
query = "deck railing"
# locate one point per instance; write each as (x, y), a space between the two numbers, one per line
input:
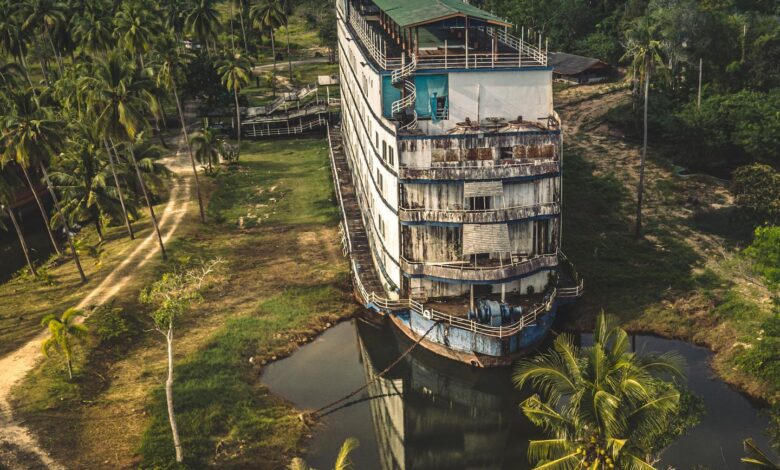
(302, 127)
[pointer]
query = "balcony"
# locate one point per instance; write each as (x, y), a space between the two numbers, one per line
(494, 270)
(480, 170)
(485, 216)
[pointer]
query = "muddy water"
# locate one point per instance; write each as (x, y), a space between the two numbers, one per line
(431, 413)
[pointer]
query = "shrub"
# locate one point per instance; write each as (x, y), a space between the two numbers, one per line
(756, 188)
(109, 323)
(765, 253)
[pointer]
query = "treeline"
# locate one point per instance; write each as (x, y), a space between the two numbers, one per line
(87, 87)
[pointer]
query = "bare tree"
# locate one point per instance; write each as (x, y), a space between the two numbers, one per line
(171, 297)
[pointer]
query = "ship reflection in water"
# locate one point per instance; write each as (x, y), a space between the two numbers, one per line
(431, 413)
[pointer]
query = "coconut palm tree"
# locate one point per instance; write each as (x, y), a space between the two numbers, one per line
(8, 181)
(202, 20)
(93, 31)
(601, 405)
(117, 90)
(644, 52)
(135, 29)
(31, 139)
(11, 39)
(266, 16)
(61, 330)
(171, 63)
(235, 73)
(343, 461)
(206, 146)
(175, 15)
(44, 17)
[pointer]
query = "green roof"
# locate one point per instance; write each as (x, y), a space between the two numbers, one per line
(415, 12)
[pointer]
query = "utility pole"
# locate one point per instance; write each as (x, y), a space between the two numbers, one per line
(698, 99)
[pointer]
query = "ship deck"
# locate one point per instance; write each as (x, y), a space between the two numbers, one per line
(459, 306)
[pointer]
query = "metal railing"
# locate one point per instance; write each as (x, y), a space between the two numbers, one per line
(288, 130)
(401, 77)
(529, 207)
(534, 53)
(508, 262)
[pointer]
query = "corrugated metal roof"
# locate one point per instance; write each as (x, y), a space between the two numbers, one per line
(571, 64)
(486, 238)
(415, 12)
(483, 188)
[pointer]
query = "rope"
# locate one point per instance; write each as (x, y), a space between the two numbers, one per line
(318, 411)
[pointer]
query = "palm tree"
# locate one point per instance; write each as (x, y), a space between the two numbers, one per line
(116, 90)
(61, 330)
(32, 138)
(8, 182)
(235, 72)
(134, 28)
(203, 21)
(644, 51)
(46, 15)
(602, 405)
(11, 39)
(343, 461)
(93, 32)
(172, 61)
(175, 14)
(207, 147)
(268, 15)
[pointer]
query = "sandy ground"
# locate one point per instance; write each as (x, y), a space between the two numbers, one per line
(18, 447)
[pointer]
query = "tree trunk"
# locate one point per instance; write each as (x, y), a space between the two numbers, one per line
(21, 240)
(243, 27)
(189, 150)
(43, 211)
(641, 187)
(23, 61)
(287, 32)
(169, 398)
(238, 120)
(98, 229)
(119, 191)
(273, 52)
(70, 367)
(148, 202)
(232, 35)
(64, 224)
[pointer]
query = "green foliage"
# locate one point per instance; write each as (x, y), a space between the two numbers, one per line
(756, 188)
(603, 406)
(765, 253)
(343, 461)
(110, 323)
(762, 357)
(61, 331)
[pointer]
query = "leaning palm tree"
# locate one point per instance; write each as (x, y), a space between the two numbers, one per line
(266, 16)
(171, 63)
(206, 146)
(61, 330)
(32, 138)
(601, 405)
(117, 90)
(135, 29)
(644, 52)
(235, 73)
(8, 182)
(202, 20)
(343, 462)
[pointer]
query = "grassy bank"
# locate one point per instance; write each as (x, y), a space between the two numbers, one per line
(685, 278)
(274, 222)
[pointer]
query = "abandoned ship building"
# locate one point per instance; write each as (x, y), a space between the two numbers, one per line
(447, 165)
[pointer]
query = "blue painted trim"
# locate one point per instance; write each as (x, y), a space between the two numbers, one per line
(480, 135)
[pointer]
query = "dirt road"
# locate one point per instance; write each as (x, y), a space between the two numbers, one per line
(18, 447)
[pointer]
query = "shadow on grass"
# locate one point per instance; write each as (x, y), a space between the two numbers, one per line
(622, 275)
(730, 223)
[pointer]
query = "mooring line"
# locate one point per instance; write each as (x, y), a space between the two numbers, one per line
(379, 375)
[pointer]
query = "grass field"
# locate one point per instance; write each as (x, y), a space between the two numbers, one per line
(274, 222)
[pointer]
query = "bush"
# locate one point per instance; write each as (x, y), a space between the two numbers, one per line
(757, 188)
(763, 358)
(109, 323)
(765, 253)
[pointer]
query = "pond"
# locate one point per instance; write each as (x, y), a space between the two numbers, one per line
(428, 412)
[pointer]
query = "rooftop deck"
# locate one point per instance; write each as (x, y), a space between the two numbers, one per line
(452, 43)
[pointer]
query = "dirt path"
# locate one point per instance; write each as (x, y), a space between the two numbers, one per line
(18, 447)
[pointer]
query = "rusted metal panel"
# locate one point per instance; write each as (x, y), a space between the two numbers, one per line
(478, 217)
(491, 170)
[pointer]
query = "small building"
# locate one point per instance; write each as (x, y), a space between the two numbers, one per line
(572, 68)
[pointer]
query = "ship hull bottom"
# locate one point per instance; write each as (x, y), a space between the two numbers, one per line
(505, 351)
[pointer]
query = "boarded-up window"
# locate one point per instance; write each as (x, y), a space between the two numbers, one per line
(486, 238)
(483, 189)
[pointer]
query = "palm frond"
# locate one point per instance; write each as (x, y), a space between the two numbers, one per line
(343, 461)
